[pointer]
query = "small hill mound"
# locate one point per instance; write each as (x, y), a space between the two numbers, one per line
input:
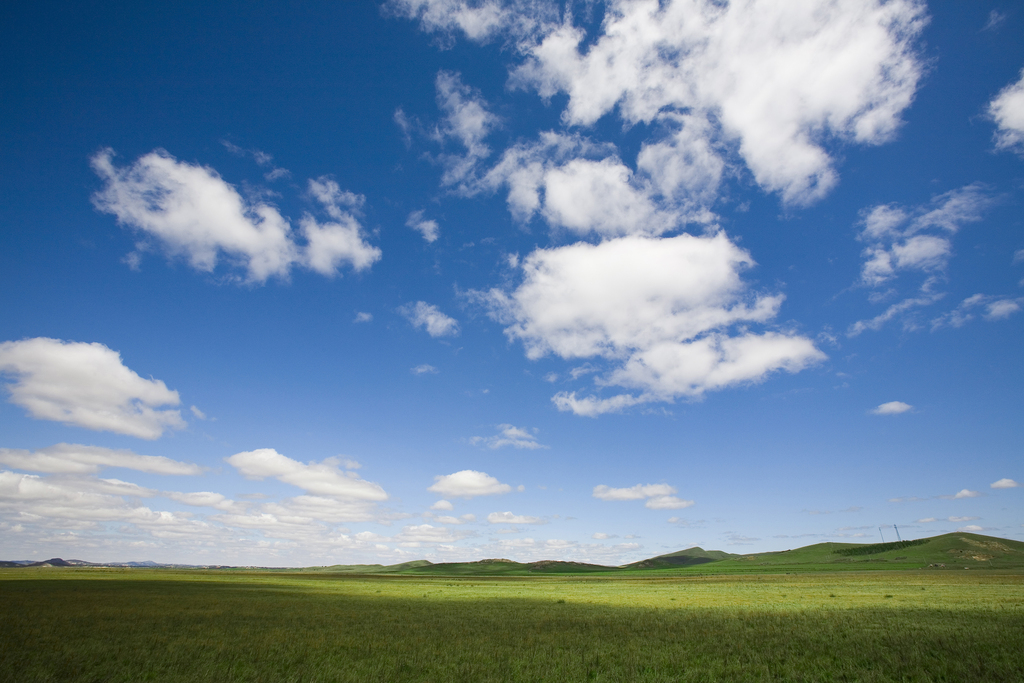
(558, 567)
(681, 558)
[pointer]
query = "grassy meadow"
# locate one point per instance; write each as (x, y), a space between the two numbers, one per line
(164, 625)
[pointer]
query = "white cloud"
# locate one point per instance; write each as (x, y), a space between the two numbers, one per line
(82, 505)
(902, 239)
(667, 503)
(65, 458)
(963, 519)
(778, 78)
(318, 478)
(427, 228)
(638, 492)
(509, 435)
(467, 121)
(585, 188)
(973, 528)
(363, 317)
(510, 518)
(659, 496)
(194, 213)
(477, 20)
(424, 534)
(442, 505)
(658, 310)
(430, 318)
(205, 499)
(993, 309)
(448, 519)
(894, 311)
(424, 370)
(965, 493)
(1007, 110)
(467, 484)
(1002, 308)
(1004, 484)
(892, 408)
(199, 415)
(86, 385)
(330, 244)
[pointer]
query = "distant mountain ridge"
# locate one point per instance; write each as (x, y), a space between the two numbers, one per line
(948, 551)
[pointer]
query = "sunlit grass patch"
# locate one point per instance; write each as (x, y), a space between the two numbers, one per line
(192, 626)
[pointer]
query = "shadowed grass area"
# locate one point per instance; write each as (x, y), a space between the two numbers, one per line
(89, 625)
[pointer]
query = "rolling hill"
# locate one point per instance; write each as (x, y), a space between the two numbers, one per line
(948, 551)
(955, 551)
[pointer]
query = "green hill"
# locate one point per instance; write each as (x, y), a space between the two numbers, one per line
(949, 551)
(371, 568)
(502, 567)
(955, 551)
(682, 558)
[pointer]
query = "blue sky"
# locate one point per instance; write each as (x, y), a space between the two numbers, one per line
(451, 279)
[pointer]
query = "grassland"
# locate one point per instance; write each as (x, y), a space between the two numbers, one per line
(161, 625)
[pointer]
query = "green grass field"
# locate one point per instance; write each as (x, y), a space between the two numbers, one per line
(162, 625)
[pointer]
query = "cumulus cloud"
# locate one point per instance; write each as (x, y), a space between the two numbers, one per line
(963, 493)
(430, 318)
(66, 458)
(424, 370)
(779, 79)
(325, 478)
(510, 518)
(585, 188)
(83, 501)
(339, 240)
(773, 83)
(363, 317)
(1004, 484)
(1007, 110)
(427, 228)
(467, 484)
(86, 385)
(478, 20)
(658, 496)
(192, 212)
(892, 408)
(442, 505)
(509, 435)
(658, 310)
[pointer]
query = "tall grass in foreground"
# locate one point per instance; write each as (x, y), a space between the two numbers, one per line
(163, 626)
